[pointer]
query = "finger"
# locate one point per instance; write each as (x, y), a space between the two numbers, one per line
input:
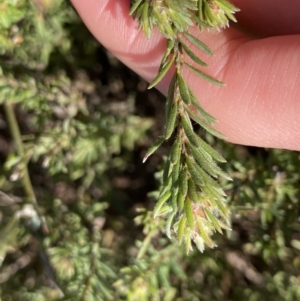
(269, 17)
(259, 106)
(110, 23)
(261, 103)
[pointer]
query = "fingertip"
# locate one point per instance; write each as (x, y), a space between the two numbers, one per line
(254, 108)
(110, 23)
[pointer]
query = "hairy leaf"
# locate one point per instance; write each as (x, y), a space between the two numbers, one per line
(192, 193)
(176, 150)
(198, 43)
(183, 182)
(181, 228)
(192, 55)
(196, 176)
(180, 200)
(189, 213)
(205, 76)
(135, 6)
(171, 122)
(153, 148)
(161, 202)
(200, 110)
(209, 150)
(162, 72)
(204, 233)
(214, 221)
(204, 125)
(169, 224)
(184, 91)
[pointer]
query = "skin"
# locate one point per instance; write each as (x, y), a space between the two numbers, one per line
(258, 59)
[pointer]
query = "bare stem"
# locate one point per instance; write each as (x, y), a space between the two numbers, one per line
(16, 135)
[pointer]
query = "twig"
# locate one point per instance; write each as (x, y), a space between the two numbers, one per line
(239, 262)
(8, 200)
(15, 132)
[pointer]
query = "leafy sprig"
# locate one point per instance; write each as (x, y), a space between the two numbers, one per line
(191, 199)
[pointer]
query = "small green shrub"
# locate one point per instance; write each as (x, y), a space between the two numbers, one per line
(72, 142)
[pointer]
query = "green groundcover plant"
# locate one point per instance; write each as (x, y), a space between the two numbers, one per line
(81, 218)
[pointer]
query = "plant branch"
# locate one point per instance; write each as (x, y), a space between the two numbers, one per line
(191, 199)
(15, 132)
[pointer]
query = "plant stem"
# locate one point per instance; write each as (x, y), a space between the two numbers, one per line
(16, 135)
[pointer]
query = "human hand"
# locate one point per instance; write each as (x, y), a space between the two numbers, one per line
(259, 60)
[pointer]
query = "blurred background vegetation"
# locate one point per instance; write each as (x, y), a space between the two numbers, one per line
(75, 201)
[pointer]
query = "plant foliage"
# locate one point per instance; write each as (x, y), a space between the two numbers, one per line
(74, 125)
(191, 198)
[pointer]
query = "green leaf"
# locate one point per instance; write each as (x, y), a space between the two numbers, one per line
(180, 200)
(163, 24)
(188, 242)
(205, 76)
(183, 182)
(223, 174)
(176, 150)
(208, 165)
(192, 193)
(196, 176)
(135, 6)
(165, 210)
(201, 111)
(199, 149)
(160, 203)
(183, 89)
(209, 16)
(192, 55)
(167, 170)
(145, 21)
(166, 185)
(175, 174)
(188, 129)
(209, 150)
(208, 181)
(216, 201)
(138, 13)
(228, 8)
(169, 224)
(189, 213)
(204, 234)
(171, 122)
(231, 16)
(162, 72)
(170, 97)
(174, 198)
(181, 229)
(153, 148)
(198, 43)
(213, 220)
(204, 125)
(222, 209)
(200, 8)
(200, 23)
(182, 22)
(10, 15)
(169, 48)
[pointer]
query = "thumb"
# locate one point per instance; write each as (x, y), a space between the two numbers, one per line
(260, 105)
